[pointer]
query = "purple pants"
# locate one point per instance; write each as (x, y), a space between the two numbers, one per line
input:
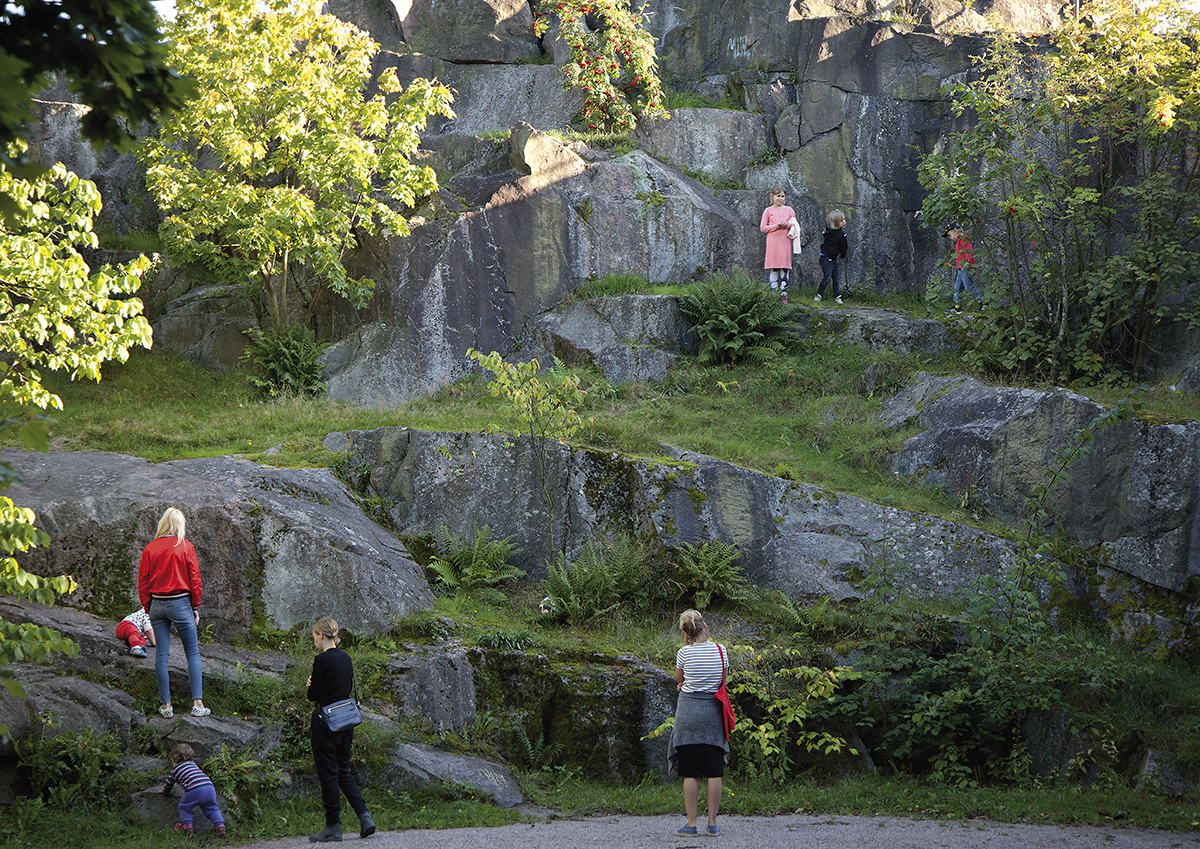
(206, 797)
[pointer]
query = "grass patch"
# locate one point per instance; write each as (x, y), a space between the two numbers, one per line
(677, 99)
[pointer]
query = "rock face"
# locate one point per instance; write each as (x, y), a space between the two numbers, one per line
(290, 541)
(479, 283)
(630, 338)
(1133, 500)
(792, 536)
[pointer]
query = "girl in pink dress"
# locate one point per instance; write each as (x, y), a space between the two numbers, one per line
(777, 220)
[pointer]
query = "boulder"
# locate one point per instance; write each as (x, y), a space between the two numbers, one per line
(289, 542)
(477, 283)
(162, 812)
(491, 98)
(715, 143)
(415, 764)
(792, 536)
(1132, 501)
(629, 338)
(208, 324)
(499, 31)
(435, 683)
(593, 712)
(75, 703)
(880, 330)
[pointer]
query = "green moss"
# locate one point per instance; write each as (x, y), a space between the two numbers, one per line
(697, 496)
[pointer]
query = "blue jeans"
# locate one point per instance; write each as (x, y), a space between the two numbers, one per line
(829, 268)
(178, 611)
(964, 280)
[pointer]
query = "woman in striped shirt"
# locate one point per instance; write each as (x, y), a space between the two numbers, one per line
(698, 743)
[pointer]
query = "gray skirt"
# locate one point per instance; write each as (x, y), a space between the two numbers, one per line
(698, 721)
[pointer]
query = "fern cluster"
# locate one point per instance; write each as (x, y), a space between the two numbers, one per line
(287, 362)
(617, 572)
(473, 566)
(737, 319)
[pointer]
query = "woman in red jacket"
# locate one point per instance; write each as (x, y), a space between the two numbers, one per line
(169, 587)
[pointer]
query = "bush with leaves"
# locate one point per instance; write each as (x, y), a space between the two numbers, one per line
(246, 782)
(737, 319)
(953, 705)
(287, 361)
(70, 768)
(473, 565)
(779, 702)
(1079, 186)
(612, 61)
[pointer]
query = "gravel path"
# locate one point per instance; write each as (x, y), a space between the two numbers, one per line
(791, 831)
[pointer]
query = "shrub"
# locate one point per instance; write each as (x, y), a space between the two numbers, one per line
(737, 319)
(287, 362)
(71, 769)
(473, 566)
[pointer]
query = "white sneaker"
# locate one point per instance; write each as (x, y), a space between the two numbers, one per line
(817, 299)
(837, 300)
(200, 711)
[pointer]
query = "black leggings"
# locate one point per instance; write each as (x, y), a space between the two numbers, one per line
(331, 754)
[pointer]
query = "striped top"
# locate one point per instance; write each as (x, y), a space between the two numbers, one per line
(187, 775)
(702, 667)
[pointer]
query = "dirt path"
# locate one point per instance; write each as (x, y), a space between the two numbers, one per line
(792, 831)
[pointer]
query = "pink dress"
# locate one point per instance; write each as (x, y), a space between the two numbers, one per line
(779, 246)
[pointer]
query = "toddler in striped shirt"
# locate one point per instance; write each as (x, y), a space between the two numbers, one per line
(197, 790)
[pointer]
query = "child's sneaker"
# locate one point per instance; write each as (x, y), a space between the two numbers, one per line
(219, 829)
(783, 298)
(138, 651)
(185, 827)
(958, 308)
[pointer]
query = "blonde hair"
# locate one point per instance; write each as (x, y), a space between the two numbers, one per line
(172, 524)
(182, 752)
(327, 627)
(693, 627)
(836, 218)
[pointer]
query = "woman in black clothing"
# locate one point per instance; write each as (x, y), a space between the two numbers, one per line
(331, 681)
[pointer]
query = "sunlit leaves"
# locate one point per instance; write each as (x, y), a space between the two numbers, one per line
(284, 155)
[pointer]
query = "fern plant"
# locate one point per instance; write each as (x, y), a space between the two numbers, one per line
(474, 565)
(606, 573)
(709, 570)
(737, 319)
(287, 361)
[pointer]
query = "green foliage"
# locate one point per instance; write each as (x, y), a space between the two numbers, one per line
(777, 701)
(592, 586)
(58, 314)
(955, 713)
(113, 55)
(737, 319)
(1078, 187)
(71, 768)
(248, 784)
(612, 62)
(269, 175)
(473, 565)
(286, 360)
(708, 571)
(765, 157)
(536, 754)
(543, 407)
